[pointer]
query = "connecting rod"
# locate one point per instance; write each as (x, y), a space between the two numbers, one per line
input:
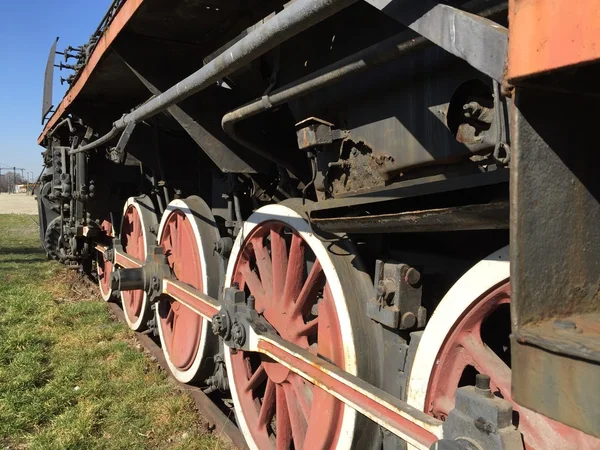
(408, 423)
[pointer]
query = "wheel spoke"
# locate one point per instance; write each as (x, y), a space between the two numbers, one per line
(282, 421)
(326, 347)
(173, 325)
(256, 379)
(303, 394)
(311, 287)
(267, 409)
(279, 262)
(170, 317)
(487, 362)
(272, 265)
(254, 284)
(309, 328)
(295, 271)
(296, 415)
(263, 261)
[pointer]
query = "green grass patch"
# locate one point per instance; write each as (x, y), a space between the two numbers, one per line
(70, 376)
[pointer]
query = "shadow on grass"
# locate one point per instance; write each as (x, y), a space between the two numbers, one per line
(21, 251)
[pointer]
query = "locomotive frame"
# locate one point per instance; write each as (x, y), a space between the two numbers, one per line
(315, 213)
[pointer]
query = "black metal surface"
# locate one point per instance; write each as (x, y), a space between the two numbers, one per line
(223, 157)
(297, 17)
(117, 153)
(379, 53)
(481, 418)
(396, 302)
(479, 41)
(556, 384)
(48, 80)
(412, 188)
(555, 253)
(491, 216)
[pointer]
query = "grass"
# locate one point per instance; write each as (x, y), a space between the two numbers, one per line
(70, 376)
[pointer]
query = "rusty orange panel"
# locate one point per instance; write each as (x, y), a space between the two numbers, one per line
(550, 34)
(118, 23)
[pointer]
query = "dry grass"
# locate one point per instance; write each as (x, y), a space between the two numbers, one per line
(70, 376)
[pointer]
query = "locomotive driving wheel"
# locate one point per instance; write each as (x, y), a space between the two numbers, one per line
(310, 292)
(469, 334)
(104, 267)
(188, 234)
(136, 239)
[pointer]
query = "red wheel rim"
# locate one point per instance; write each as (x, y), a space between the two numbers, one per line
(473, 347)
(291, 291)
(133, 240)
(105, 267)
(180, 326)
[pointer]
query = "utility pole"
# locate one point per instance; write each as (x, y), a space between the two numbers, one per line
(14, 189)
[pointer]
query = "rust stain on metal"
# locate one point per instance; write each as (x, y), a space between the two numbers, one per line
(120, 20)
(358, 168)
(372, 404)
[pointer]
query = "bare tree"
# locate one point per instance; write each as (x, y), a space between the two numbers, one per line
(9, 179)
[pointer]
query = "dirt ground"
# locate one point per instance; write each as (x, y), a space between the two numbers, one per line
(17, 204)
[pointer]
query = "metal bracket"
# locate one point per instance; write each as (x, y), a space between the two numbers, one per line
(236, 318)
(480, 420)
(397, 296)
(117, 153)
(313, 132)
(477, 40)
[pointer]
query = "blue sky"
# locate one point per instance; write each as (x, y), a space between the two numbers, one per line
(27, 30)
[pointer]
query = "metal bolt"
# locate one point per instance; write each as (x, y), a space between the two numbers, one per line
(381, 290)
(412, 276)
(251, 302)
(155, 284)
(238, 334)
(482, 382)
(409, 320)
(564, 325)
(217, 324)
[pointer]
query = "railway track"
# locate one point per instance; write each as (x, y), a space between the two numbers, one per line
(211, 408)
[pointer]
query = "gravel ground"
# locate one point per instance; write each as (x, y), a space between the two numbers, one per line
(17, 204)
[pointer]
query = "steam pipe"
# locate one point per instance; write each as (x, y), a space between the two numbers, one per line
(113, 133)
(370, 57)
(297, 17)
(66, 121)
